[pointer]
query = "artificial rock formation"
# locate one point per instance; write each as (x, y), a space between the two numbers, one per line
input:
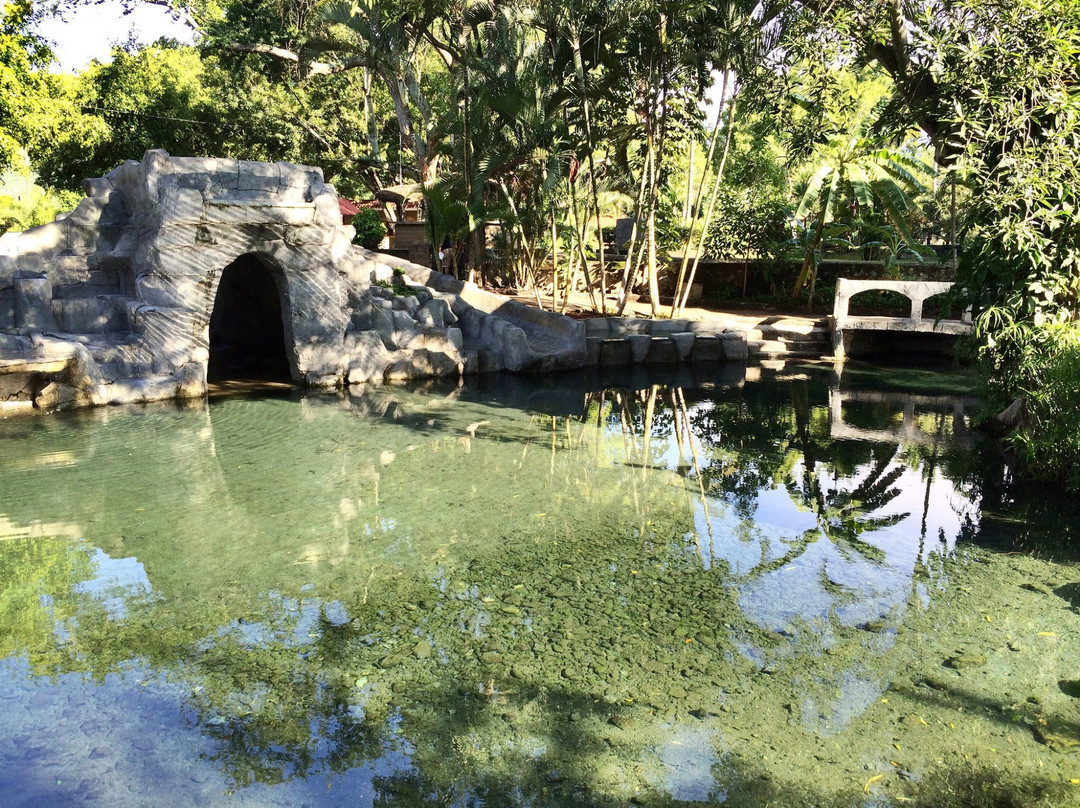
(115, 301)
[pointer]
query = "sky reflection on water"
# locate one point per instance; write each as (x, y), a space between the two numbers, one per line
(677, 591)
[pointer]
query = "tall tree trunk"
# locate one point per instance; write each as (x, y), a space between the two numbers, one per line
(427, 162)
(571, 280)
(527, 251)
(952, 218)
(579, 66)
(466, 151)
(371, 123)
(686, 220)
(654, 283)
(707, 221)
(554, 261)
(713, 140)
(579, 230)
(630, 268)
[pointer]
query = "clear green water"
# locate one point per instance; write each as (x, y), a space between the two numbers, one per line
(700, 589)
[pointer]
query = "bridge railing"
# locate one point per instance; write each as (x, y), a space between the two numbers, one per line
(916, 291)
(912, 428)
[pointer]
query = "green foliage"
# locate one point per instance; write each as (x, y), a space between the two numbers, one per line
(747, 225)
(1020, 265)
(25, 204)
(993, 85)
(34, 105)
(191, 104)
(155, 98)
(859, 165)
(891, 249)
(1022, 252)
(20, 54)
(370, 230)
(1049, 437)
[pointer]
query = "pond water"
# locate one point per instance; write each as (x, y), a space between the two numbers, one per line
(726, 585)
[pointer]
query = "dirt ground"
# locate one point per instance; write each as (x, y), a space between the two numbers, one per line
(740, 320)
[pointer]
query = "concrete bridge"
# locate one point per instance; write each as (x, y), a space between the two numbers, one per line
(845, 326)
(910, 429)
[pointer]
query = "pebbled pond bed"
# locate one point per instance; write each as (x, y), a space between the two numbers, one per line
(778, 588)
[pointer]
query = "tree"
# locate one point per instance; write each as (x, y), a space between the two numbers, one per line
(33, 104)
(172, 97)
(858, 164)
(374, 35)
(155, 98)
(20, 54)
(993, 86)
(34, 205)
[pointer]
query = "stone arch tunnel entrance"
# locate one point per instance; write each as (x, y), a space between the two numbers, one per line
(247, 326)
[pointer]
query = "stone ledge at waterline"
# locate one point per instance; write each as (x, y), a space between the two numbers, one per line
(122, 300)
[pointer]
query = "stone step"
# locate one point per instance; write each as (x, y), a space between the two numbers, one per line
(792, 341)
(768, 332)
(761, 347)
(114, 348)
(101, 314)
(118, 357)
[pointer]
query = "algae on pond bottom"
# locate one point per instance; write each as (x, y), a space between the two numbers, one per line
(669, 596)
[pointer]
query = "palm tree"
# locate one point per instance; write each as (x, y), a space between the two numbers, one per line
(859, 164)
(374, 35)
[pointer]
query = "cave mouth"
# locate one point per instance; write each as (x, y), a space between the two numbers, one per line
(247, 326)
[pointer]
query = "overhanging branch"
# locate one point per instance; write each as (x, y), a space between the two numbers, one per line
(313, 68)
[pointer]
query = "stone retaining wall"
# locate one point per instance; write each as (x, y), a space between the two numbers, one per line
(627, 340)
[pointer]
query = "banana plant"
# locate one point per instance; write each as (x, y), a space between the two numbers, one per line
(858, 164)
(893, 248)
(811, 240)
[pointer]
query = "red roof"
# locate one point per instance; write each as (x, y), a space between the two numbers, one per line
(347, 206)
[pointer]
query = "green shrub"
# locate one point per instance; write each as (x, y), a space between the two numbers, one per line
(1048, 440)
(399, 287)
(369, 227)
(746, 225)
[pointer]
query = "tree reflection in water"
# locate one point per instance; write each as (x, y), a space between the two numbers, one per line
(479, 604)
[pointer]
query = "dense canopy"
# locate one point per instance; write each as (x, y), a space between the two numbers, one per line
(856, 127)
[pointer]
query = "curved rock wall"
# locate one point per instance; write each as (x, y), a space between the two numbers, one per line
(119, 293)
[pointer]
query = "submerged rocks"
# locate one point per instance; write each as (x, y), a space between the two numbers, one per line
(422, 650)
(966, 661)
(1054, 737)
